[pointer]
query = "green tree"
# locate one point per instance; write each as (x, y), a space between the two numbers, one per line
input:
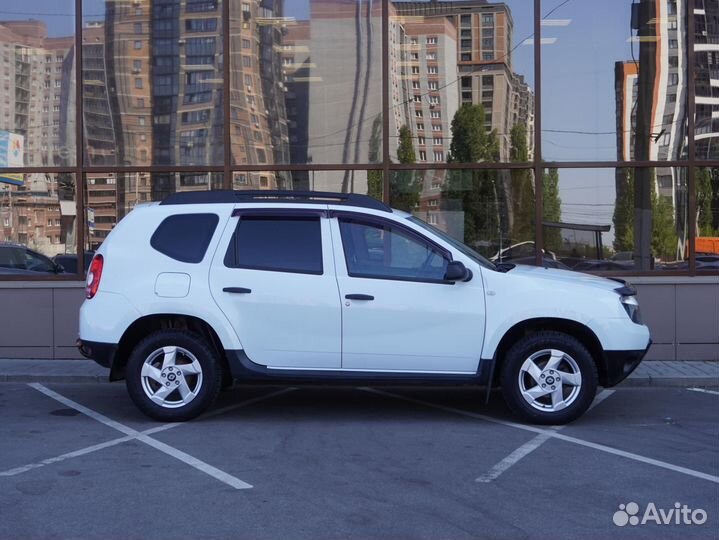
(476, 192)
(406, 185)
(623, 218)
(552, 209)
(707, 212)
(521, 188)
(375, 186)
(664, 231)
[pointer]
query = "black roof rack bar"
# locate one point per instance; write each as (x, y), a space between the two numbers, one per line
(322, 197)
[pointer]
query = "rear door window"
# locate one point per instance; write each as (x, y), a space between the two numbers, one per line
(277, 244)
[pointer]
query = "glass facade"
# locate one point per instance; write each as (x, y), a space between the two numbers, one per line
(575, 135)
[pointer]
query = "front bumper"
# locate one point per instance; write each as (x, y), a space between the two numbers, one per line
(102, 353)
(618, 365)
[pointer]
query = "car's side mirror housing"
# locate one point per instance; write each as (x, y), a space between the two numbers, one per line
(456, 271)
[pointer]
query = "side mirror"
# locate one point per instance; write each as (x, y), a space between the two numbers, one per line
(456, 271)
(58, 268)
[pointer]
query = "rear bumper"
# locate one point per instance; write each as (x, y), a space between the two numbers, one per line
(102, 353)
(618, 365)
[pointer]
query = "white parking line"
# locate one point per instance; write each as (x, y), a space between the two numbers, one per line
(132, 434)
(530, 446)
(555, 435)
(704, 390)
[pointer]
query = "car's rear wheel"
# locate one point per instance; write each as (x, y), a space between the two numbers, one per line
(549, 378)
(173, 375)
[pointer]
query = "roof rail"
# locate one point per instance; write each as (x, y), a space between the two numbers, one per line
(286, 196)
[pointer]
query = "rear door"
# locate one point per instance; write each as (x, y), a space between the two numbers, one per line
(274, 278)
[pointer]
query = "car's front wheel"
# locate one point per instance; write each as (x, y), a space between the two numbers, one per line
(173, 375)
(549, 378)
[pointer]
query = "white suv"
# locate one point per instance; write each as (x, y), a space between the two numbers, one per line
(187, 295)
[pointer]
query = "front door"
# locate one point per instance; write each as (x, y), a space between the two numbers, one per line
(275, 281)
(398, 312)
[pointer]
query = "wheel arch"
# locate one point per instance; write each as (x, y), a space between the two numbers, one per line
(144, 326)
(567, 326)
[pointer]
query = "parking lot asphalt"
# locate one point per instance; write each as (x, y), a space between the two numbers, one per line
(79, 461)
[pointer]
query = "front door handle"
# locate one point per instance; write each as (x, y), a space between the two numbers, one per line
(359, 297)
(238, 290)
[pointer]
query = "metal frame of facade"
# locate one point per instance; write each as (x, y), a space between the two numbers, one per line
(537, 166)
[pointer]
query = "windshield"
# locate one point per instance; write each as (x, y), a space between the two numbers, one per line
(466, 250)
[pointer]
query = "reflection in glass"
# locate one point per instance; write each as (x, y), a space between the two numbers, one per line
(615, 91)
(456, 76)
(614, 220)
(706, 72)
(37, 222)
(362, 182)
(152, 83)
(306, 82)
(490, 211)
(706, 181)
(37, 103)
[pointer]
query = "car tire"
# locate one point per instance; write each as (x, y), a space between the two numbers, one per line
(548, 378)
(173, 375)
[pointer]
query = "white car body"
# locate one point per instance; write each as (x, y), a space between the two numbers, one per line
(303, 324)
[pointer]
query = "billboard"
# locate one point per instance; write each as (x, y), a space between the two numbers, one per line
(11, 155)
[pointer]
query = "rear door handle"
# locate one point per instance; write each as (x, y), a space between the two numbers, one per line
(359, 297)
(238, 290)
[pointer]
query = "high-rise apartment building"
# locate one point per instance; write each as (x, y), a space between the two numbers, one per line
(36, 71)
(484, 62)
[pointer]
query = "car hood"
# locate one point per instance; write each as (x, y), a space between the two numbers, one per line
(567, 277)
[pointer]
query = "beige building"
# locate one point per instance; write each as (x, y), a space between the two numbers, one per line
(484, 63)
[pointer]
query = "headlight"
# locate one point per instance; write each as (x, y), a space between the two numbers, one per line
(631, 306)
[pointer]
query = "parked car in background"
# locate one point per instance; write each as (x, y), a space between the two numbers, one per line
(707, 261)
(69, 261)
(21, 260)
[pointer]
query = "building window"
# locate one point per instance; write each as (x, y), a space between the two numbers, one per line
(431, 56)
(431, 40)
(439, 156)
(420, 140)
(435, 114)
(422, 155)
(415, 85)
(420, 126)
(437, 140)
(432, 70)
(433, 85)
(138, 83)
(487, 19)
(138, 44)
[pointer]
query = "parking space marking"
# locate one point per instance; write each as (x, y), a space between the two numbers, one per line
(554, 435)
(704, 391)
(151, 431)
(530, 446)
(132, 434)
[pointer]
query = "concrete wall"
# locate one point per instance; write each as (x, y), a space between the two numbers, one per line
(39, 320)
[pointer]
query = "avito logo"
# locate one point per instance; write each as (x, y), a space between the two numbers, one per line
(629, 514)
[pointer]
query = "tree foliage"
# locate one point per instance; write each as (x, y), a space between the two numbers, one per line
(405, 186)
(552, 209)
(477, 192)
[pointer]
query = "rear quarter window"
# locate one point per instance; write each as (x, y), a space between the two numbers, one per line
(185, 237)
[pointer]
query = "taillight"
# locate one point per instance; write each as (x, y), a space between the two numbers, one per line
(93, 276)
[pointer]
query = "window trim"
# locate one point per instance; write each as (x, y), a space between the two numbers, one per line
(358, 217)
(274, 213)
